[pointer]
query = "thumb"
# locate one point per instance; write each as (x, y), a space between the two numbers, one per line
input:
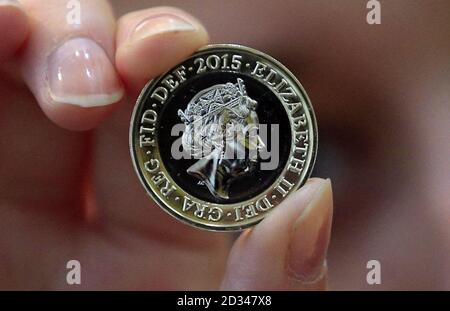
(68, 65)
(287, 250)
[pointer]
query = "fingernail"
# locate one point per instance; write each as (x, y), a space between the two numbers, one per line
(80, 73)
(159, 24)
(311, 235)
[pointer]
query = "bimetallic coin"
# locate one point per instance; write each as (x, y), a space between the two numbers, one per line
(223, 138)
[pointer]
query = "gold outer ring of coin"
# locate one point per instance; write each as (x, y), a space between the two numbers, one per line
(236, 216)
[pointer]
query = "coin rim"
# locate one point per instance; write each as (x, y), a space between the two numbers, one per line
(212, 226)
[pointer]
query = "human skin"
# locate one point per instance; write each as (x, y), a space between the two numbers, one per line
(68, 190)
(67, 195)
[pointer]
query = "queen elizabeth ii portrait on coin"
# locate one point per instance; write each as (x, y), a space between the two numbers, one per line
(221, 132)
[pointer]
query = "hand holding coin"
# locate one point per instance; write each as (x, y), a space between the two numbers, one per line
(67, 194)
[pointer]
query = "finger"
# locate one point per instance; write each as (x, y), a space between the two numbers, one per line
(151, 41)
(287, 250)
(141, 214)
(68, 62)
(14, 23)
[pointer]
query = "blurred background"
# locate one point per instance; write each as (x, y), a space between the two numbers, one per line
(382, 99)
